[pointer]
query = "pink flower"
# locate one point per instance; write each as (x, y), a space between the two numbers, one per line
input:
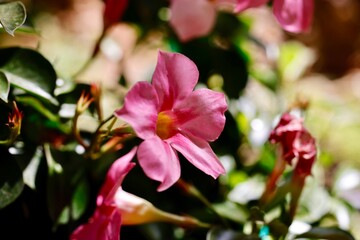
(116, 207)
(106, 220)
(285, 133)
(293, 15)
(245, 4)
(305, 146)
(296, 145)
(199, 19)
(169, 116)
(296, 142)
(196, 18)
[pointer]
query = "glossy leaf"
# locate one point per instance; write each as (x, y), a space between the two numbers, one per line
(12, 16)
(29, 71)
(4, 87)
(327, 233)
(11, 182)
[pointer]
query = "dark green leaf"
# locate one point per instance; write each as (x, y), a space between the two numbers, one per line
(278, 228)
(225, 62)
(226, 234)
(12, 16)
(65, 173)
(327, 233)
(4, 87)
(11, 182)
(30, 71)
(80, 200)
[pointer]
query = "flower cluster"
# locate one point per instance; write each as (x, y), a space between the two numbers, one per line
(189, 23)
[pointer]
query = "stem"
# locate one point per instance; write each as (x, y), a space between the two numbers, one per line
(76, 132)
(117, 137)
(297, 183)
(270, 189)
(193, 191)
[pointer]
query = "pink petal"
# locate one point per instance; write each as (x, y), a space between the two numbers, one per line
(174, 78)
(140, 109)
(294, 15)
(159, 162)
(192, 22)
(199, 153)
(202, 114)
(104, 225)
(245, 4)
(115, 176)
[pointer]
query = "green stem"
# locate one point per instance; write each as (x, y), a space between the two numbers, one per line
(76, 132)
(193, 191)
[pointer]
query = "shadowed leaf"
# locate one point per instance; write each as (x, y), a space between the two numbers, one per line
(327, 233)
(11, 182)
(4, 87)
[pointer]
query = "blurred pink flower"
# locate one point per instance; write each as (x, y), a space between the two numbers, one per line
(245, 4)
(106, 220)
(197, 20)
(285, 133)
(296, 142)
(170, 116)
(305, 146)
(297, 146)
(293, 15)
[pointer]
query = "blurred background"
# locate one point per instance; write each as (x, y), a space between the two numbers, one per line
(262, 69)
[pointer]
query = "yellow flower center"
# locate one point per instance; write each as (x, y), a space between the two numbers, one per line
(166, 125)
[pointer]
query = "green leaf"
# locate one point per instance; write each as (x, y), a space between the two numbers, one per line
(232, 211)
(29, 71)
(327, 233)
(12, 16)
(4, 87)
(227, 63)
(227, 234)
(11, 182)
(80, 199)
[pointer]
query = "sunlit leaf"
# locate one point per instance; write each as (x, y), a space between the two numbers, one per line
(4, 87)
(232, 211)
(11, 182)
(327, 233)
(64, 216)
(31, 170)
(294, 59)
(30, 71)
(12, 16)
